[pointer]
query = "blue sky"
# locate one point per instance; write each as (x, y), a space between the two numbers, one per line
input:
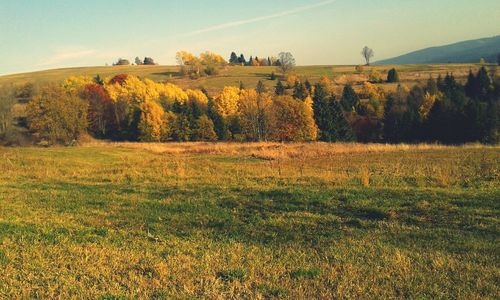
(44, 34)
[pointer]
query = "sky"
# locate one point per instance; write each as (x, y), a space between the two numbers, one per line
(46, 34)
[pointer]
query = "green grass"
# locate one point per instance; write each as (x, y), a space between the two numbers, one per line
(234, 75)
(123, 222)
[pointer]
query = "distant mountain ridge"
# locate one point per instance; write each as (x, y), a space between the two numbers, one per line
(462, 52)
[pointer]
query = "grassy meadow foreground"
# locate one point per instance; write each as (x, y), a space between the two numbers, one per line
(258, 220)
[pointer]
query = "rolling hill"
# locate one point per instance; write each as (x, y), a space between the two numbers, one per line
(232, 76)
(463, 52)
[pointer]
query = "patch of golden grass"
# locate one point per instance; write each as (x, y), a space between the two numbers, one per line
(275, 150)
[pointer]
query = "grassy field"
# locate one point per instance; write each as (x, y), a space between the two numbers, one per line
(297, 221)
(409, 74)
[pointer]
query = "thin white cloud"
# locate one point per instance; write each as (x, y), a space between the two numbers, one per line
(64, 55)
(259, 19)
(74, 56)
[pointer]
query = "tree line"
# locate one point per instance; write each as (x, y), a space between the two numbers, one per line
(137, 61)
(126, 108)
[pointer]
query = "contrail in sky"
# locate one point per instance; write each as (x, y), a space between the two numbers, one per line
(259, 19)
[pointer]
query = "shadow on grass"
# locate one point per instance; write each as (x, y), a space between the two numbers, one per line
(300, 215)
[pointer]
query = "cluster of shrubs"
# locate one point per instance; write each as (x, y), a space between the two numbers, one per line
(126, 108)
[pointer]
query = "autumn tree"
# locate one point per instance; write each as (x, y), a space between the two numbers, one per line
(367, 54)
(101, 121)
(287, 62)
(56, 115)
(151, 122)
(190, 64)
(76, 84)
(254, 112)
(118, 79)
(292, 120)
(226, 104)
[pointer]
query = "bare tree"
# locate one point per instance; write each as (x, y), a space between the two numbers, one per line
(367, 54)
(287, 62)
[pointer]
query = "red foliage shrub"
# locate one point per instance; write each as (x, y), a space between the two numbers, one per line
(120, 79)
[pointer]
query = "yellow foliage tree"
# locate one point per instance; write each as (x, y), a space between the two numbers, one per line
(151, 122)
(185, 58)
(170, 93)
(291, 79)
(209, 58)
(226, 104)
(371, 91)
(75, 84)
(293, 120)
(427, 105)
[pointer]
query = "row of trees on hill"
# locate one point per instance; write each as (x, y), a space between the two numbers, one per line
(209, 63)
(235, 59)
(127, 108)
(137, 61)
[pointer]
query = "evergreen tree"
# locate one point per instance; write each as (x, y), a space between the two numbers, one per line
(309, 87)
(329, 117)
(439, 82)
(412, 121)
(138, 61)
(270, 64)
(299, 90)
(350, 100)
(250, 61)
(242, 60)
(394, 110)
(220, 126)
(492, 122)
(471, 85)
(280, 88)
(431, 86)
(261, 88)
(233, 59)
(392, 76)
(483, 84)
(98, 80)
